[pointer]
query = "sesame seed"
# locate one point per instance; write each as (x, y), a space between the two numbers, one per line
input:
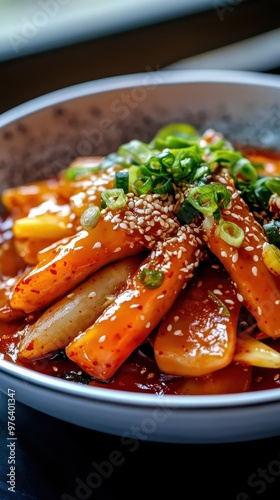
(142, 317)
(102, 338)
(224, 254)
(169, 327)
(178, 333)
(239, 297)
(229, 301)
(234, 258)
(70, 295)
(91, 295)
(118, 249)
(254, 270)
(113, 318)
(148, 324)
(97, 244)
(249, 248)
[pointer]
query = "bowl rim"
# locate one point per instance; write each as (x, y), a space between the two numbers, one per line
(111, 83)
(115, 396)
(137, 399)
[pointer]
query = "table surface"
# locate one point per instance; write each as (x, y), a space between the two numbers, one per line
(58, 460)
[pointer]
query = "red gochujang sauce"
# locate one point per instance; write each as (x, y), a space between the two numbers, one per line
(139, 373)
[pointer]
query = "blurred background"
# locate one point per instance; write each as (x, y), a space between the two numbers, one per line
(49, 44)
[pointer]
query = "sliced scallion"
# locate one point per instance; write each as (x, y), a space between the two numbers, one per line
(143, 185)
(223, 308)
(169, 133)
(271, 258)
(209, 198)
(73, 173)
(230, 232)
(122, 180)
(138, 151)
(114, 198)
(162, 185)
(272, 230)
(186, 213)
(90, 217)
(151, 278)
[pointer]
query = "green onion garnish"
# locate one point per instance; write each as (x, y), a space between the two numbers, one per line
(143, 185)
(223, 308)
(114, 198)
(136, 150)
(271, 258)
(272, 230)
(230, 232)
(151, 278)
(243, 170)
(122, 180)
(90, 217)
(209, 198)
(174, 135)
(72, 173)
(186, 213)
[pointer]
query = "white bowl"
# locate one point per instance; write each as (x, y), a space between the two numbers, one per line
(40, 137)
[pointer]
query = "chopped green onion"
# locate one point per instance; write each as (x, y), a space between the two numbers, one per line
(223, 308)
(271, 258)
(134, 173)
(114, 159)
(263, 189)
(90, 217)
(214, 146)
(230, 232)
(136, 150)
(154, 166)
(272, 230)
(143, 185)
(224, 156)
(151, 278)
(210, 198)
(181, 131)
(162, 185)
(114, 198)
(122, 180)
(274, 185)
(186, 213)
(244, 170)
(187, 161)
(72, 173)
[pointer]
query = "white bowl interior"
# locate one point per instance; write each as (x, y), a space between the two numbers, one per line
(41, 137)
